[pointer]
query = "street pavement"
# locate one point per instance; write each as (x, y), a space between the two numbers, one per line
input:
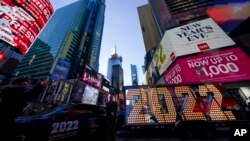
(221, 135)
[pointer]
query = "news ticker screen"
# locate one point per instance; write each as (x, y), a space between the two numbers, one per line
(22, 20)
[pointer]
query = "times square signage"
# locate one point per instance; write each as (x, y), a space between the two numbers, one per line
(195, 31)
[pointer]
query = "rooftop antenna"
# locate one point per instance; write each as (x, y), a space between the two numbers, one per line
(115, 47)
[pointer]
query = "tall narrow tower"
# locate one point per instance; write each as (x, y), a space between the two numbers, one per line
(115, 71)
(134, 75)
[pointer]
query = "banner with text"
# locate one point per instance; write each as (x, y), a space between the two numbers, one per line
(221, 66)
(188, 39)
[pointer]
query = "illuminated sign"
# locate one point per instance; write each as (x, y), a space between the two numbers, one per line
(21, 21)
(229, 14)
(105, 84)
(223, 66)
(90, 95)
(78, 92)
(92, 77)
(61, 69)
(187, 39)
(161, 105)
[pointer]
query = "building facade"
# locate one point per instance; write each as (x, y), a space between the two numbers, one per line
(117, 77)
(151, 36)
(97, 36)
(134, 74)
(169, 13)
(68, 36)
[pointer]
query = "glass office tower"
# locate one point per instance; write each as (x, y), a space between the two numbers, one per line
(117, 77)
(68, 37)
(97, 36)
(115, 59)
(134, 75)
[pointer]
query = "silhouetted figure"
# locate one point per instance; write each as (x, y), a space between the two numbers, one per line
(111, 110)
(14, 98)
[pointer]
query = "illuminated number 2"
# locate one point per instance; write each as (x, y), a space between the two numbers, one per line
(215, 112)
(135, 116)
(188, 110)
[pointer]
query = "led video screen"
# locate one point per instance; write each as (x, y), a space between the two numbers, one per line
(90, 95)
(21, 21)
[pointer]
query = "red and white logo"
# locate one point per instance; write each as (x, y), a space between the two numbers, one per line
(203, 46)
(172, 56)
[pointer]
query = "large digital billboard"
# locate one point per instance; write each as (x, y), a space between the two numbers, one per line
(21, 21)
(225, 66)
(187, 39)
(229, 14)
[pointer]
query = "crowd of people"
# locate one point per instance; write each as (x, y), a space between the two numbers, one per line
(13, 98)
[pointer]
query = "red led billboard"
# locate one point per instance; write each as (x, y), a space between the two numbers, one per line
(21, 21)
(229, 14)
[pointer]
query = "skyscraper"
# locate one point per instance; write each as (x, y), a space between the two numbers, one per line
(69, 37)
(117, 77)
(115, 71)
(151, 36)
(97, 37)
(115, 59)
(134, 75)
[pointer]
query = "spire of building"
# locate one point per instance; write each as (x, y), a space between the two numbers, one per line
(115, 48)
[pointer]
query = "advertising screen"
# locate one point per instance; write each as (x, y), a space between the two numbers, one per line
(49, 93)
(78, 92)
(162, 105)
(21, 21)
(187, 39)
(223, 66)
(92, 77)
(61, 70)
(64, 92)
(105, 84)
(153, 74)
(90, 95)
(229, 13)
